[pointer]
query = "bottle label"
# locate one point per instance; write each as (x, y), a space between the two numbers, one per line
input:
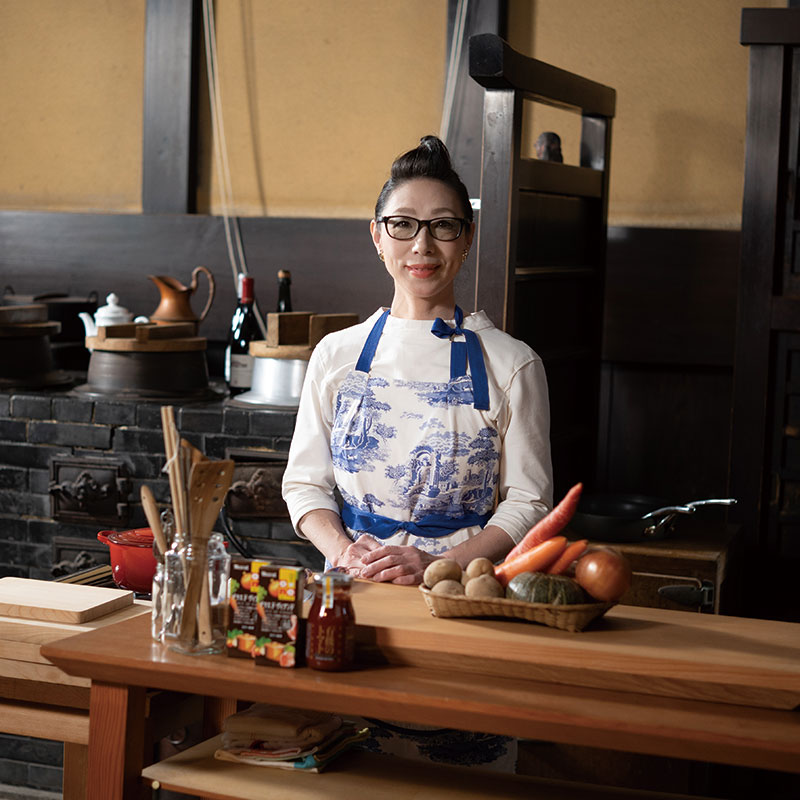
(239, 371)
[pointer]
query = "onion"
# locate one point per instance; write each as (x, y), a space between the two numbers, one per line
(604, 573)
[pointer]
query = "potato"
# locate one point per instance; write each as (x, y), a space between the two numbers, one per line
(448, 586)
(484, 586)
(441, 570)
(479, 566)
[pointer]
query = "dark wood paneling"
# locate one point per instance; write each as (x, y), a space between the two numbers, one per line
(333, 262)
(170, 88)
(670, 296)
(667, 433)
(664, 419)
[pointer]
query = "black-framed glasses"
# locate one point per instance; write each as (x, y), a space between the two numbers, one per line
(445, 229)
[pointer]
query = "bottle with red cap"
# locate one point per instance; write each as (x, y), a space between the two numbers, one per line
(244, 329)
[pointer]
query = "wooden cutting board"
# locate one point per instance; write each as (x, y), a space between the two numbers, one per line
(59, 602)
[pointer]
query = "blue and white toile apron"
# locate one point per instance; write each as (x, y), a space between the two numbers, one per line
(417, 463)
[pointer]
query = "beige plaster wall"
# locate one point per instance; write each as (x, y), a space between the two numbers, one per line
(71, 104)
(681, 80)
(318, 96)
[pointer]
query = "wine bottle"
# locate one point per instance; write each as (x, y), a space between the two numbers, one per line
(244, 329)
(284, 290)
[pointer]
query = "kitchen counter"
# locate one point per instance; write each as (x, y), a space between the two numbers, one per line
(632, 681)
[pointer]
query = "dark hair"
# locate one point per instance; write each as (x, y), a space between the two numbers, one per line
(430, 159)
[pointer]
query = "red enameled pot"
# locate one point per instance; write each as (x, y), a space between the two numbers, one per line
(132, 559)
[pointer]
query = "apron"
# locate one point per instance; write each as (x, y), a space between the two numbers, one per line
(417, 461)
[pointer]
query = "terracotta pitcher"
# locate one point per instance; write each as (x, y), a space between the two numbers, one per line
(175, 305)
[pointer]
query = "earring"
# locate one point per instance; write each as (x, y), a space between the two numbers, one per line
(464, 256)
(380, 255)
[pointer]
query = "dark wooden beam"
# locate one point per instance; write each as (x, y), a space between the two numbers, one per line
(496, 65)
(172, 43)
(771, 25)
(466, 118)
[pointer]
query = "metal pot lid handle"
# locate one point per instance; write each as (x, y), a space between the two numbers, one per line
(726, 501)
(670, 510)
(690, 508)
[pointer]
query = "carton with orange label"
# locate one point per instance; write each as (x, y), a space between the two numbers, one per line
(281, 634)
(244, 614)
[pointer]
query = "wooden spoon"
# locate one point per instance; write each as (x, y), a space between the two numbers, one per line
(209, 482)
(154, 518)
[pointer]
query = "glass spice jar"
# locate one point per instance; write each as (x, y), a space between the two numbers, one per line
(331, 629)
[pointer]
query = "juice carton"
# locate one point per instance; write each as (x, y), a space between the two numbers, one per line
(281, 634)
(245, 594)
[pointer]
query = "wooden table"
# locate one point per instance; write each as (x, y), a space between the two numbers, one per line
(641, 680)
(38, 699)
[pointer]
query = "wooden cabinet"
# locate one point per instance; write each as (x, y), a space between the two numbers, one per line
(765, 454)
(696, 568)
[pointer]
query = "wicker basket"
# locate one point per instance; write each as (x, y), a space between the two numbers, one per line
(567, 617)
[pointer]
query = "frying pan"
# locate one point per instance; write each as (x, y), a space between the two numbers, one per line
(632, 517)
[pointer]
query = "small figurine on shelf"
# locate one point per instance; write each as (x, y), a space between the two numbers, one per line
(548, 147)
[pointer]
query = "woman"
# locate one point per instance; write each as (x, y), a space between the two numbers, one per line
(432, 425)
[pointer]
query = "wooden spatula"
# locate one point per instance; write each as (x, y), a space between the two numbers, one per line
(209, 482)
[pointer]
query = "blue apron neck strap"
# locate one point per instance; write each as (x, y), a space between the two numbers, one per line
(364, 363)
(458, 362)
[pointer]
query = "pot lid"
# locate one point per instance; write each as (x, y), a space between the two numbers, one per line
(138, 537)
(112, 313)
(11, 298)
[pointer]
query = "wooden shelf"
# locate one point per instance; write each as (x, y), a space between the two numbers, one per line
(360, 774)
(549, 177)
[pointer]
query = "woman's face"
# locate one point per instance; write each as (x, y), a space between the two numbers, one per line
(423, 268)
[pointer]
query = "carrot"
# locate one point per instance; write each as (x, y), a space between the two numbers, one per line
(537, 559)
(561, 564)
(552, 524)
(234, 604)
(261, 611)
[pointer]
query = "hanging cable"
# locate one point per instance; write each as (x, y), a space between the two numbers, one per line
(451, 78)
(233, 237)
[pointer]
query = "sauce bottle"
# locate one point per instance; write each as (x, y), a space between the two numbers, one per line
(284, 290)
(330, 635)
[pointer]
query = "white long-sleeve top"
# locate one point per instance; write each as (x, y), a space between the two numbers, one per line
(408, 355)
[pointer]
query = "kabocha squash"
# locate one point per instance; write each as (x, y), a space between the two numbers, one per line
(538, 587)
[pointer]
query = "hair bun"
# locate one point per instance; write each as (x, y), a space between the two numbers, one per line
(429, 159)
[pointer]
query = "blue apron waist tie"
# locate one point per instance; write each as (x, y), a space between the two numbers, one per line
(430, 526)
